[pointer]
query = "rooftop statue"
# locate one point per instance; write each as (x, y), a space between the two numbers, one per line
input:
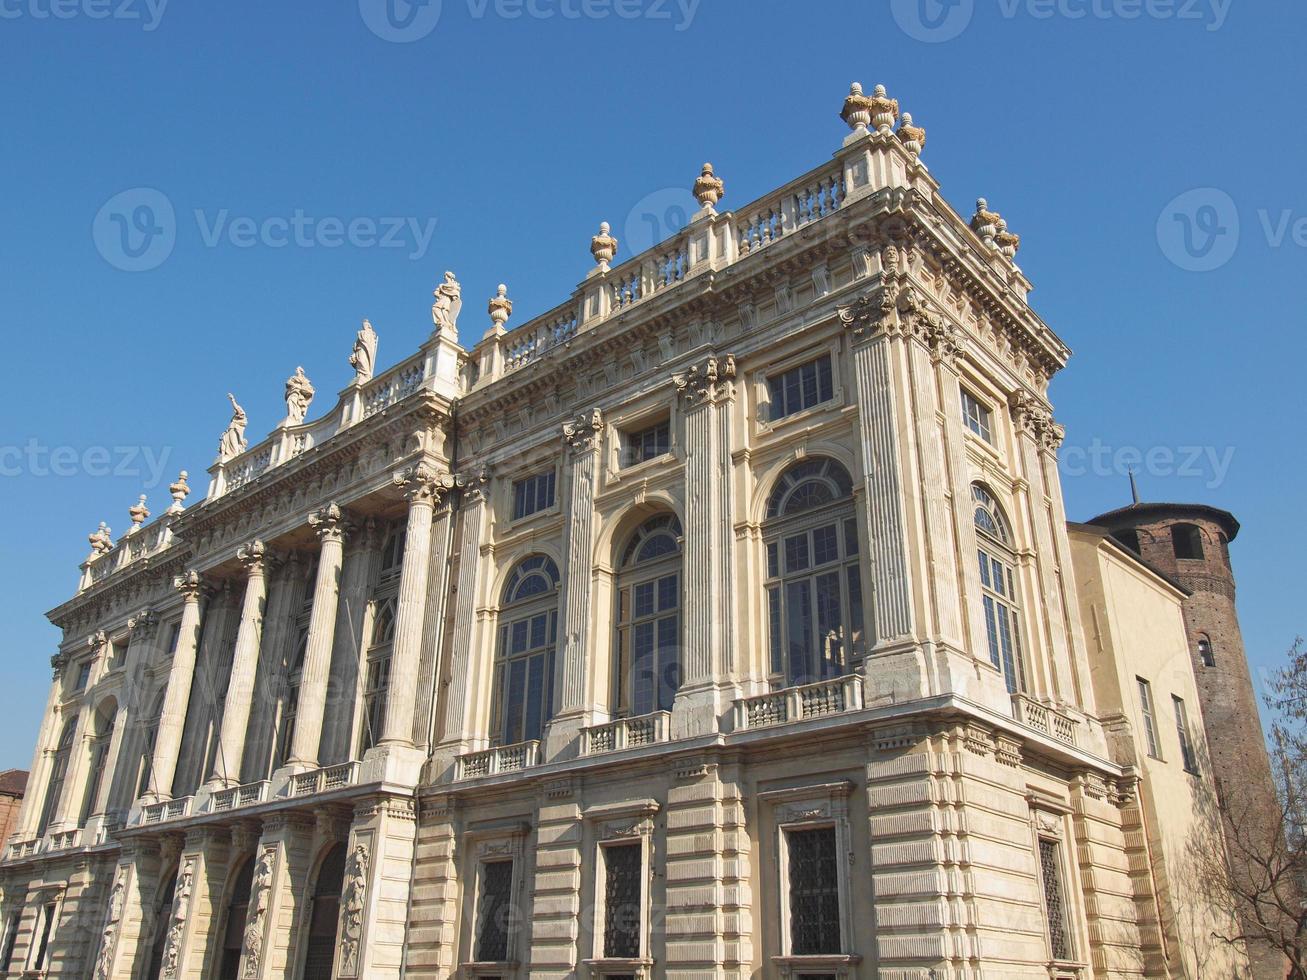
(233, 440)
(299, 395)
(449, 301)
(364, 358)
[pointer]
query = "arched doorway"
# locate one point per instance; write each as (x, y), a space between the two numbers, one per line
(233, 932)
(162, 911)
(324, 916)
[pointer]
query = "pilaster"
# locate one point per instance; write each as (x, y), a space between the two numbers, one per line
(433, 931)
(378, 882)
(128, 930)
(279, 897)
(556, 901)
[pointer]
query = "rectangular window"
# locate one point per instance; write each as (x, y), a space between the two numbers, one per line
(47, 927)
(976, 416)
(1050, 870)
(11, 937)
(533, 494)
(1150, 723)
(174, 635)
(800, 388)
(376, 685)
(494, 912)
(646, 444)
(623, 900)
(1182, 729)
(83, 676)
(814, 892)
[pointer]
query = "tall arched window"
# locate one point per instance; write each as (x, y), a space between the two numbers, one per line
(101, 739)
(999, 588)
(162, 905)
(233, 933)
(54, 787)
(648, 643)
(814, 584)
(324, 916)
(1205, 652)
(524, 660)
(376, 681)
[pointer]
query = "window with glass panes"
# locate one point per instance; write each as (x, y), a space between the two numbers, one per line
(976, 416)
(11, 937)
(1187, 755)
(1050, 870)
(647, 443)
(814, 582)
(998, 588)
(533, 494)
(292, 673)
(648, 643)
(494, 909)
(623, 900)
(58, 772)
(524, 668)
(105, 719)
(1150, 720)
(800, 388)
(376, 677)
(814, 891)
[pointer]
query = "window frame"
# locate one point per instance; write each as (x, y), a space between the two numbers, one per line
(12, 920)
(639, 428)
(1048, 826)
(628, 823)
(1193, 541)
(630, 572)
(776, 381)
(998, 547)
(496, 845)
(514, 611)
(982, 427)
(518, 493)
(1148, 712)
(49, 908)
(1188, 751)
(1206, 651)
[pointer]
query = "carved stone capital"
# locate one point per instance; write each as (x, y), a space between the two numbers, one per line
(422, 485)
(190, 585)
(1034, 419)
(329, 524)
(257, 558)
(707, 383)
(582, 433)
(474, 482)
(141, 625)
(871, 314)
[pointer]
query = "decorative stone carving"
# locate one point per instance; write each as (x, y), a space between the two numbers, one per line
(709, 189)
(985, 222)
(189, 584)
(260, 895)
(706, 383)
(233, 442)
(884, 110)
(181, 905)
(1036, 420)
(870, 314)
(140, 625)
(857, 109)
(364, 358)
(501, 308)
(299, 395)
(353, 902)
(448, 304)
(474, 481)
(603, 246)
(582, 433)
(912, 137)
(253, 555)
(1007, 242)
(328, 523)
(109, 938)
(179, 491)
(139, 513)
(101, 540)
(423, 483)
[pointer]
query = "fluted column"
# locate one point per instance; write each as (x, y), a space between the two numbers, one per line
(582, 438)
(330, 527)
(423, 490)
(706, 393)
(245, 664)
(176, 702)
(874, 329)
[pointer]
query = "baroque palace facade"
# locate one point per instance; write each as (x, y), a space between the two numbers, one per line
(722, 622)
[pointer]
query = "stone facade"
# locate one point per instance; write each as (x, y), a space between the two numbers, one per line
(721, 622)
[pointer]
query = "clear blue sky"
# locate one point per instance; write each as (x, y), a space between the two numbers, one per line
(518, 134)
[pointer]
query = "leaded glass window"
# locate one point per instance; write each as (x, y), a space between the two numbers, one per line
(814, 580)
(494, 912)
(999, 588)
(1050, 869)
(814, 900)
(623, 897)
(648, 643)
(524, 671)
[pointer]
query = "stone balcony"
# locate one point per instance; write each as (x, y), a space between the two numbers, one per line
(801, 703)
(1044, 719)
(501, 759)
(627, 733)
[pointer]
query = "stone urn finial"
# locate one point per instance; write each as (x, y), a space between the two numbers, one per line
(912, 137)
(501, 307)
(884, 110)
(985, 222)
(1007, 242)
(603, 246)
(101, 540)
(180, 491)
(139, 513)
(857, 110)
(709, 189)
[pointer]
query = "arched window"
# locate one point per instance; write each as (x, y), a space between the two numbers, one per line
(1205, 652)
(648, 642)
(392, 553)
(814, 583)
(233, 934)
(1187, 541)
(999, 588)
(376, 682)
(324, 916)
(58, 773)
(101, 739)
(146, 768)
(162, 906)
(524, 659)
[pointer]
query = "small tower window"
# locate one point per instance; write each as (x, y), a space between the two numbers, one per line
(1129, 538)
(1187, 541)
(1205, 653)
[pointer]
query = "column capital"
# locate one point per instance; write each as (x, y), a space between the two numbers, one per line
(474, 482)
(581, 434)
(329, 523)
(928, 327)
(706, 383)
(871, 314)
(1034, 418)
(191, 585)
(141, 626)
(257, 558)
(421, 484)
